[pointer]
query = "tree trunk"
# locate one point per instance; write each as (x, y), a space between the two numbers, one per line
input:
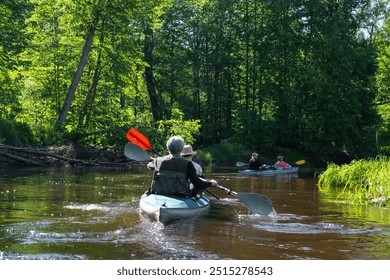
(77, 77)
(149, 75)
(86, 112)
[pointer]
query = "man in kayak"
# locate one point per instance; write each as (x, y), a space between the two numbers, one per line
(173, 174)
(281, 164)
(255, 164)
(188, 153)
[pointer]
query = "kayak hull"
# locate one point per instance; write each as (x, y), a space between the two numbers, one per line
(166, 208)
(290, 170)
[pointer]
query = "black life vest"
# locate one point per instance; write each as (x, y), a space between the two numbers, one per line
(170, 176)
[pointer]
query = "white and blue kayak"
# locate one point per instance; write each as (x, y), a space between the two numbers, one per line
(165, 208)
(290, 170)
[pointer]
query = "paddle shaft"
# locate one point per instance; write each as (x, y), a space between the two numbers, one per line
(210, 193)
(227, 190)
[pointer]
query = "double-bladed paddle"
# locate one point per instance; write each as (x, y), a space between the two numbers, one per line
(241, 164)
(255, 202)
(136, 137)
(134, 152)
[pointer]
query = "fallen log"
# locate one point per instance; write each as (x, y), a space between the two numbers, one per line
(20, 159)
(43, 157)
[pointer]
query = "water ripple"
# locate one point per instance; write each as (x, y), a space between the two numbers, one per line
(293, 224)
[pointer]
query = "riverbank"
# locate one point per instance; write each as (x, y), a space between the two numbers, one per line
(361, 182)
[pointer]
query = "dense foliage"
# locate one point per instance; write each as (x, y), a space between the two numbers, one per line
(383, 84)
(361, 182)
(301, 74)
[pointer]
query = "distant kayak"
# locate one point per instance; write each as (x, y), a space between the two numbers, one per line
(268, 171)
(165, 208)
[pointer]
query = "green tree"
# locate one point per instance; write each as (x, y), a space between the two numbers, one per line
(383, 86)
(334, 106)
(12, 41)
(82, 70)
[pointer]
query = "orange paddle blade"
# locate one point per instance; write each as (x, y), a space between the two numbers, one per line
(138, 138)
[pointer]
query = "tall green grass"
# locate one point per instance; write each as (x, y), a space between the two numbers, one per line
(361, 182)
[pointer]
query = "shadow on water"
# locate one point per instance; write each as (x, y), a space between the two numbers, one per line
(94, 214)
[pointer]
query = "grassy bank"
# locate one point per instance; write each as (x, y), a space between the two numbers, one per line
(361, 182)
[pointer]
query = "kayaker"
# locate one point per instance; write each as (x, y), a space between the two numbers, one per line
(281, 164)
(173, 174)
(188, 153)
(254, 163)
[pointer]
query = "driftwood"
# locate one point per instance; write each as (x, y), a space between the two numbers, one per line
(10, 155)
(19, 159)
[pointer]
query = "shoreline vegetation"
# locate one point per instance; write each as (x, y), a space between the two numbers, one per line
(362, 182)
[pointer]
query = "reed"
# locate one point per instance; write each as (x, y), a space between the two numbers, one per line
(361, 182)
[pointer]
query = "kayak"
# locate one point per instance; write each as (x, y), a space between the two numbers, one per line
(289, 170)
(166, 208)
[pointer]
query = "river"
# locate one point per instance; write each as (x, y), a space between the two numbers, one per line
(92, 214)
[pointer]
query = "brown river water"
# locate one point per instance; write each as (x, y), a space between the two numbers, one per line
(92, 214)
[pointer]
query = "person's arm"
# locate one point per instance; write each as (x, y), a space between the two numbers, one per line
(198, 182)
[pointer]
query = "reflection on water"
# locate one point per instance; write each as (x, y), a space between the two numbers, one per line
(93, 214)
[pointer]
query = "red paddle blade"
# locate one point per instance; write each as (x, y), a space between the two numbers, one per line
(138, 138)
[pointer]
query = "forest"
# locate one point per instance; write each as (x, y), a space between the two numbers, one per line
(312, 76)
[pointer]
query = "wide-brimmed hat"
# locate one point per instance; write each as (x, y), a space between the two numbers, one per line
(187, 151)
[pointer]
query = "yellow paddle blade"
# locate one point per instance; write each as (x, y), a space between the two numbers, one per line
(300, 162)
